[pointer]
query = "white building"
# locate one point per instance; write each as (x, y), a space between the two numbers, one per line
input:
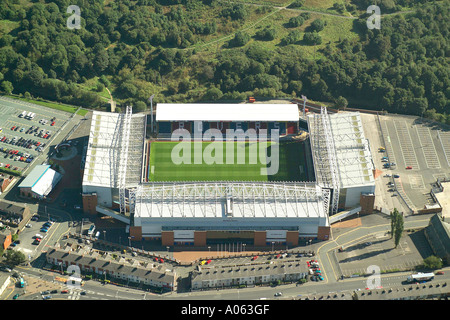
(39, 182)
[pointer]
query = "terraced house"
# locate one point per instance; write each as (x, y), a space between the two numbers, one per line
(124, 269)
(247, 275)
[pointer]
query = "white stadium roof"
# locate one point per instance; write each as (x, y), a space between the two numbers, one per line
(352, 150)
(249, 200)
(352, 153)
(104, 148)
(226, 112)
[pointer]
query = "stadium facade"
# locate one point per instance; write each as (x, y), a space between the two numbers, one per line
(203, 213)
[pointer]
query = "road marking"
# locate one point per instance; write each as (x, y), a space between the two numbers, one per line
(428, 147)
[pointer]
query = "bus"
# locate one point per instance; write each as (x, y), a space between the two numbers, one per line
(420, 277)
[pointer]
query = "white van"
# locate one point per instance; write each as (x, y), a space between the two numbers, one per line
(28, 116)
(39, 236)
(23, 114)
(32, 115)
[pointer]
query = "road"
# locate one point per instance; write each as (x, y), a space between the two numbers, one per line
(324, 252)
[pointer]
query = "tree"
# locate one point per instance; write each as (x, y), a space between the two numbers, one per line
(292, 37)
(341, 102)
(297, 4)
(7, 87)
(296, 21)
(213, 94)
(240, 39)
(339, 7)
(318, 25)
(432, 262)
(397, 226)
(14, 257)
(266, 34)
(312, 38)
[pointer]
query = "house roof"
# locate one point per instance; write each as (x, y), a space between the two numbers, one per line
(8, 207)
(94, 260)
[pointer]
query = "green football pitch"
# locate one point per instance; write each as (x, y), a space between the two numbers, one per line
(165, 163)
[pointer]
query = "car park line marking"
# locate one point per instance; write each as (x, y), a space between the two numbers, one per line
(416, 181)
(406, 145)
(428, 147)
(444, 138)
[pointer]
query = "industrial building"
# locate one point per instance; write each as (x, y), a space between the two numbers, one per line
(40, 182)
(201, 213)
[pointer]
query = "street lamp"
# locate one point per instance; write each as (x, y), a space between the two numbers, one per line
(244, 244)
(273, 242)
(104, 235)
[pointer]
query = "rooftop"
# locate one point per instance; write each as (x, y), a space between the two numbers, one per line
(104, 149)
(444, 199)
(249, 200)
(226, 112)
(34, 176)
(351, 150)
(249, 271)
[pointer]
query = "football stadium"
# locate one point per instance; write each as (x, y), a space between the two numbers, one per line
(253, 173)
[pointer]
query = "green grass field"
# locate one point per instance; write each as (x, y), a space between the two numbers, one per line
(162, 167)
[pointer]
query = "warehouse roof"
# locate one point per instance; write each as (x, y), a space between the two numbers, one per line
(34, 176)
(226, 112)
(42, 179)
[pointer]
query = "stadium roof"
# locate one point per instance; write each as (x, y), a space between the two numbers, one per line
(249, 200)
(226, 112)
(104, 148)
(352, 150)
(352, 153)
